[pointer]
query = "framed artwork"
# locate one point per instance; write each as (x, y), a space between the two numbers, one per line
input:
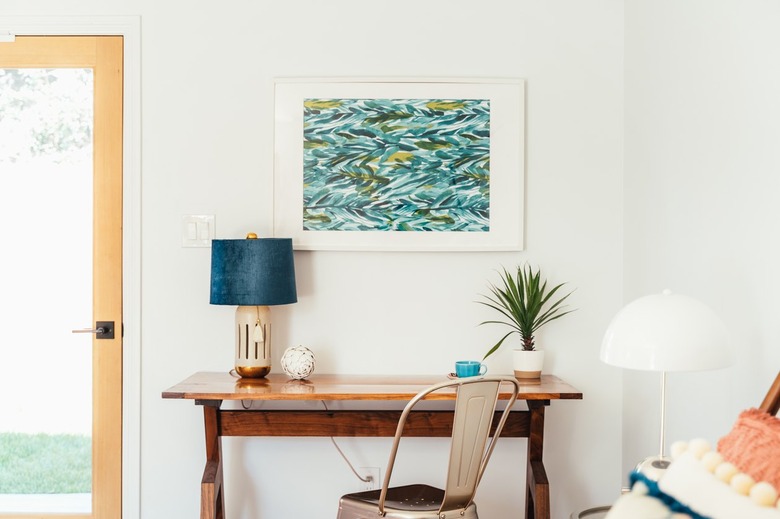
(399, 164)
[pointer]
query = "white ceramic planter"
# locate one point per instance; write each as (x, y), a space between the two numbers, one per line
(528, 364)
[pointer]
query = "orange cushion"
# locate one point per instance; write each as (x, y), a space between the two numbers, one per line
(753, 446)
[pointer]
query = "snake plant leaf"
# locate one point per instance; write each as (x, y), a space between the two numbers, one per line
(524, 299)
(498, 345)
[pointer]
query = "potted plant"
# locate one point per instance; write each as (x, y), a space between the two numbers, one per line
(527, 304)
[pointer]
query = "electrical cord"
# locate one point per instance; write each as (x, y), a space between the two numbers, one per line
(247, 404)
(368, 478)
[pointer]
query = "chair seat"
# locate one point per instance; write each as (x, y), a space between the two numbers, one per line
(405, 502)
(409, 497)
(472, 417)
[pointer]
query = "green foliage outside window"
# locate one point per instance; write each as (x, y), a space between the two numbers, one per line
(45, 112)
(45, 463)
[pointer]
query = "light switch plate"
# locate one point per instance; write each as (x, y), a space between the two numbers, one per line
(197, 230)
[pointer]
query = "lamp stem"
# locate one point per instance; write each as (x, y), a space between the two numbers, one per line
(655, 466)
(663, 410)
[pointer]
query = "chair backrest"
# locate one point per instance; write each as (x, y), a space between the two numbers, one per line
(475, 406)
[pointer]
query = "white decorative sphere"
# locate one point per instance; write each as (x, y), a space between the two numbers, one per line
(698, 447)
(763, 493)
(298, 362)
(678, 448)
(742, 483)
(711, 460)
(725, 471)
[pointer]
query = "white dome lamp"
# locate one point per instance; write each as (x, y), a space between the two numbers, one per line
(665, 332)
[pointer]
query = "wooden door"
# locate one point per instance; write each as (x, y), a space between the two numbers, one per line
(45, 249)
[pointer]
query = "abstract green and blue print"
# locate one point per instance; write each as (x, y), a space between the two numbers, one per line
(396, 165)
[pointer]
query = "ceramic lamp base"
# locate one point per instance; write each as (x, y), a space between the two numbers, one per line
(253, 341)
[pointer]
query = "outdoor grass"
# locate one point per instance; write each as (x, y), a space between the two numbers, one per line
(45, 463)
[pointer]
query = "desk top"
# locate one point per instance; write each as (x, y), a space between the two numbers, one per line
(223, 386)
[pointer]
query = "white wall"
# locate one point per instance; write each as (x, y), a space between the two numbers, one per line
(207, 70)
(701, 180)
(701, 162)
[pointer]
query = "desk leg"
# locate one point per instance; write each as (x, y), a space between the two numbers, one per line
(537, 495)
(212, 496)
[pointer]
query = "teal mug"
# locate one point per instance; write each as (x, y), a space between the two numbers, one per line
(469, 368)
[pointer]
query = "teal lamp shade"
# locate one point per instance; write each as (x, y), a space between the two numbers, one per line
(253, 274)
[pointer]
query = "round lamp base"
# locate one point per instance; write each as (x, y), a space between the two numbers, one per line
(253, 371)
(653, 467)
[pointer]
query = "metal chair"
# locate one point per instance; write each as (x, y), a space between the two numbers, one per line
(474, 410)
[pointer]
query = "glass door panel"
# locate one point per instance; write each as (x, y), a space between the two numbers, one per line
(46, 177)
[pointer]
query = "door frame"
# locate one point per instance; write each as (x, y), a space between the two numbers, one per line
(130, 28)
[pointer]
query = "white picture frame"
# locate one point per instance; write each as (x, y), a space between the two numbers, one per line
(505, 99)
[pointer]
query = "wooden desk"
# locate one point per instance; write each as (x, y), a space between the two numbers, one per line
(211, 389)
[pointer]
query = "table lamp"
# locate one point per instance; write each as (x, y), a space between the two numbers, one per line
(665, 332)
(253, 274)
